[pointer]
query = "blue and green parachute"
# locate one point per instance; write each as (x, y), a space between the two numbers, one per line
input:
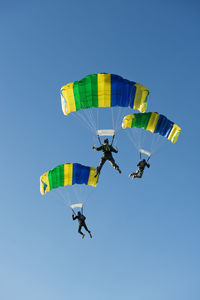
(67, 174)
(103, 90)
(154, 122)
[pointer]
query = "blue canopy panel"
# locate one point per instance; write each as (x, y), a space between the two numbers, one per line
(80, 174)
(164, 126)
(122, 91)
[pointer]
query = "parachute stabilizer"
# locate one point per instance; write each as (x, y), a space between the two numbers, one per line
(142, 151)
(77, 205)
(105, 132)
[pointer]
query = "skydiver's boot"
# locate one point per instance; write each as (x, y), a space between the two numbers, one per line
(83, 236)
(118, 169)
(90, 234)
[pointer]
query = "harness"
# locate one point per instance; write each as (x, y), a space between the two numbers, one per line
(107, 148)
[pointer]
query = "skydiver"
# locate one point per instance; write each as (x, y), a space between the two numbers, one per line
(107, 155)
(81, 220)
(141, 166)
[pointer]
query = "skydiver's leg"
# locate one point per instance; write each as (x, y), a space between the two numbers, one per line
(114, 165)
(85, 226)
(134, 174)
(140, 172)
(79, 230)
(131, 174)
(102, 162)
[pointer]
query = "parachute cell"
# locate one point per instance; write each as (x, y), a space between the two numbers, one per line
(67, 174)
(103, 90)
(154, 122)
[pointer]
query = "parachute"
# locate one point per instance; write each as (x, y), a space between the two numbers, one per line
(103, 90)
(154, 122)
(85, 98)
(67, 174)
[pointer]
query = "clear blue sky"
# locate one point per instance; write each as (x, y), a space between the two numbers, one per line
(146, 233)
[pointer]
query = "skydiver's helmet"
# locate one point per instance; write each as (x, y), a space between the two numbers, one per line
(106, 141)
(79, 213)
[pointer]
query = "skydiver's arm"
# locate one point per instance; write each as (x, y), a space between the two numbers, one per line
(97, 148)
(74, 217)
(112, 149)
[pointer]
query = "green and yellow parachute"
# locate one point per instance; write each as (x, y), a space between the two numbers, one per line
(103, 90)
(67, 174)
(154, 122)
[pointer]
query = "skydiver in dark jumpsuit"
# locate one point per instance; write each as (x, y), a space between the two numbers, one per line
(107, 155)
(141, 166)
(81, 220)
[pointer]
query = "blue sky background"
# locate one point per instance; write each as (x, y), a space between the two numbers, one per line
(146, 233)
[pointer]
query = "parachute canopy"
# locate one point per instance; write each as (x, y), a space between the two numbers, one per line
(67, 174)
(103, 90)
(153, 122)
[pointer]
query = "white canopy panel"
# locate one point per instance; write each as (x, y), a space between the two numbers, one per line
(105, 132)
(145, 152)
(80, 205)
